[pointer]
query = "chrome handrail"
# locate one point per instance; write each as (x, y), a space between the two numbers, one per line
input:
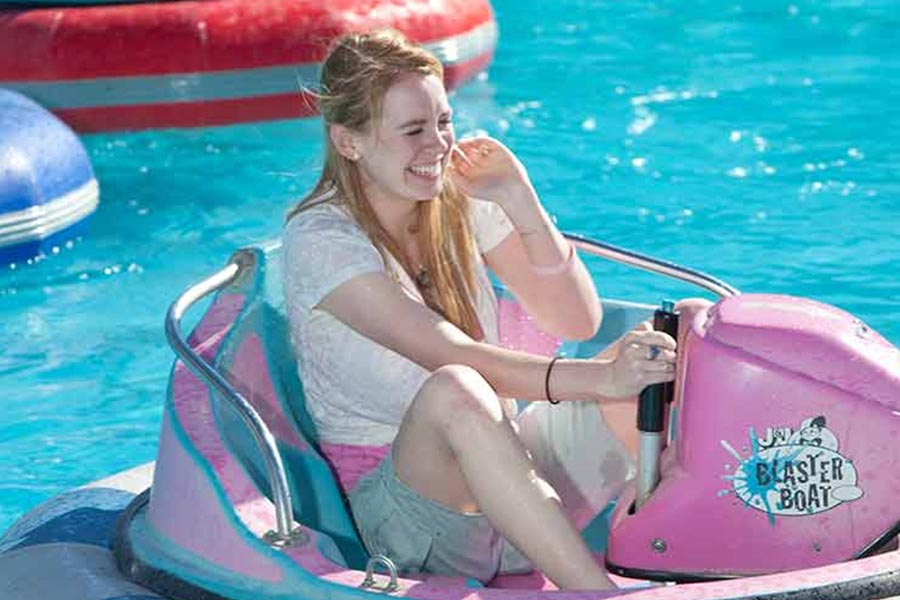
(654, 265)
(237, 265)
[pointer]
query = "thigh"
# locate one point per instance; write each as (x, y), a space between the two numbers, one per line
(574, 448)
(423, 459)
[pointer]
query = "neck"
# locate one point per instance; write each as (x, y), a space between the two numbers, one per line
(399, 218)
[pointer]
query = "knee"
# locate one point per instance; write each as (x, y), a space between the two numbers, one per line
(690, 308)
(457, 392)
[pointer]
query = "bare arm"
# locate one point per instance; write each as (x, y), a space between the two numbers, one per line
(563, 300)
(535, 261)
(375, 307)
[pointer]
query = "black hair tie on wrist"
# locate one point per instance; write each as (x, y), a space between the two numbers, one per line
(547, 381)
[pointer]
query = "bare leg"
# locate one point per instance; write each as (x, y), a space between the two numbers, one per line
(579, 456)
(621, 418)
(457, 447)
(689, 308)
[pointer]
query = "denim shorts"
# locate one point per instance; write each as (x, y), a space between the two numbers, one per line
(422, 536)
(570, 445)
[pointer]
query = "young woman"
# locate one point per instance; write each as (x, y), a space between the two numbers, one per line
(394, 324)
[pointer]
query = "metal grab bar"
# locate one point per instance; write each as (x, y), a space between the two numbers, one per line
(654, 265)
(237, 265)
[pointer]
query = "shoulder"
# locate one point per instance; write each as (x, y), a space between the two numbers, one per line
(324, 240)
(484, 213)
(323, 222)
(322, 217)
(490, 225)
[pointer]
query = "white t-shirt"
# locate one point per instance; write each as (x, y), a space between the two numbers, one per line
(357, 391)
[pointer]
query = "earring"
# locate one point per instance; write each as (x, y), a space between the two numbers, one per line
(354, 155)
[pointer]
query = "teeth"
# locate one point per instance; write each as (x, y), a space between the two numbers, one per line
(430, 171)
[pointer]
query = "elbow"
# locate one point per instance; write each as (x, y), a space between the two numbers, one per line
(584, 332)
(584, 327)
(585, 316)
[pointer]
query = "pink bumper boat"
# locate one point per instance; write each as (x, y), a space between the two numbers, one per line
(773, 474)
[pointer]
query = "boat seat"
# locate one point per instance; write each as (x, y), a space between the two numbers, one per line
(257, 359)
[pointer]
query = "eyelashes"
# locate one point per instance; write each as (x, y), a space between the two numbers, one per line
(443, 124)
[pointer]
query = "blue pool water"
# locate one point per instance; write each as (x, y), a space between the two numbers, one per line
(756, 141)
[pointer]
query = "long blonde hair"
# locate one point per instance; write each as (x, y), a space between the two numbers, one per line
(355, 77)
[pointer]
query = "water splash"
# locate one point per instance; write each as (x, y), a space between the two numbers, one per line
(755, 490)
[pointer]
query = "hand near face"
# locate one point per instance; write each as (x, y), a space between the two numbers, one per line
(486, 169)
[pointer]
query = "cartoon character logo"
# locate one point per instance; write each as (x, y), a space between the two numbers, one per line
(793, 472)
(813, 432)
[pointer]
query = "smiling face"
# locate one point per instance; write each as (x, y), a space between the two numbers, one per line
(406, 149)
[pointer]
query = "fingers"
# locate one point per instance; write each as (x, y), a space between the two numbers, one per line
(650, 338)
(662, 363)
(692, 305)
(457, 152)
(479, 145)
(651, 351)
(644, 358)
(651, 356)
(649, 372)
(470, 150)
(654, 378)
(467, 154)
(474, 151)
(461, 162)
